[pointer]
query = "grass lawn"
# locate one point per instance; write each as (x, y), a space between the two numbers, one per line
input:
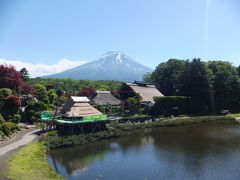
(30, 163)
(234, 115)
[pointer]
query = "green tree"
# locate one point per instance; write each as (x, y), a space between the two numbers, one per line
(226, 85)
(70, 85)
(40, 92)
(238, 69)
(102, 88)
(134, 104)
(147, 78)
(33, 110)
(25, 74)
(51, 96)
(196, 83)
(166, 76)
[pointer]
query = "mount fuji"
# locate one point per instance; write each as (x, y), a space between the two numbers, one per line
(113, 65)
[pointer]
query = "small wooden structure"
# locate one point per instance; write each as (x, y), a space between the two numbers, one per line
(76, 112)
(77, 107)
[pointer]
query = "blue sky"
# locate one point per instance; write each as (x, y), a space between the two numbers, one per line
(58, 34)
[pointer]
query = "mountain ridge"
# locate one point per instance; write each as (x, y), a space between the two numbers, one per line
(113, 65)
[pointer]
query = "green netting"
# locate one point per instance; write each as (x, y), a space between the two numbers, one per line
(94, 118)
(69, 122)
(46, 115)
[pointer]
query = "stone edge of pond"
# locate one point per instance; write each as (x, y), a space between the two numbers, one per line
(115, 129)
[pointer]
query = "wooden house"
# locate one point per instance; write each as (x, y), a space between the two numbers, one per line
(104, 98)
(146, 91)
(78, 106)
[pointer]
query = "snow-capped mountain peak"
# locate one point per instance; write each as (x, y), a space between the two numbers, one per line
(114, 65)
(116, 56)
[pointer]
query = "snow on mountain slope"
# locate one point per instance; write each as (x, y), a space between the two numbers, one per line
(113, 65)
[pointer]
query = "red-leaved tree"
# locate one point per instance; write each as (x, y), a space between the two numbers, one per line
(88, 92)
(10, 77)
(26, 88)
(11, 105)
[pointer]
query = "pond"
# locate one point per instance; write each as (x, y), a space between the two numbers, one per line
(209, 151)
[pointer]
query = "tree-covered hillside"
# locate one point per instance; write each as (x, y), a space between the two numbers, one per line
(71, 86)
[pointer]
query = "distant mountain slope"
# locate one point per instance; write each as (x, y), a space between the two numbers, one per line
(113, 65)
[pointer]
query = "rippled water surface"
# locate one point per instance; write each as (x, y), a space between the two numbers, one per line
(189, 152)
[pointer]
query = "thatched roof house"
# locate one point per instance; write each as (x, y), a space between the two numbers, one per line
(77, 106)
(105, 98)
(146, 91)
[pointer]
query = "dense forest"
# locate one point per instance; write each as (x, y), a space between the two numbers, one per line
(73, 86)
(214, 85)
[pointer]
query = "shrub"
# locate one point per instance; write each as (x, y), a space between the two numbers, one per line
(33, 110)
(197, 106)
(51, 107)
(170, 105)
(17, 128)
(1, 119)
(16, 119)
(8, 128)
(35, 117)
(4, 92)
(52, 133)
(11, 105)
(46, 100)
(36, 106)
(26, 88)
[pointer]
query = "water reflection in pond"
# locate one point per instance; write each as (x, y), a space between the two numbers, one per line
(190, 152)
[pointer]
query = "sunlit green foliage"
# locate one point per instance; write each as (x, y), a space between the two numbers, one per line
(213, 85)
(74, 86)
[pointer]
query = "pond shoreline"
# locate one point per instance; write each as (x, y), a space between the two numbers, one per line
(176, 151)
(38, 150)
(115, 129)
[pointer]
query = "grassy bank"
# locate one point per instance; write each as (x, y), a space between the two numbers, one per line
(118, 129)
(30, 163)
(234, 115)
(178, 121)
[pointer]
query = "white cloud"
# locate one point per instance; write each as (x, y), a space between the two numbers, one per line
(40, 69)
